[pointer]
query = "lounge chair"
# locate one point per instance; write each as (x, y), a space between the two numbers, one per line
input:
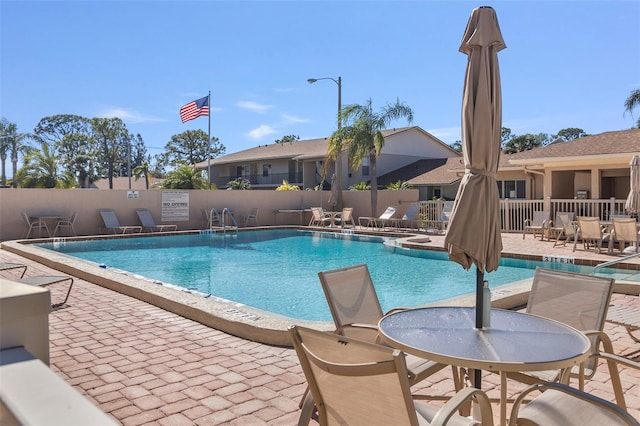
(625, 230)
(627, 316)
(39, 280)
(540, 223)
(66, 223)
(578, 300)
(411, 216)
(345, 218)
(563, 227)
(150, 225)
(356, 310)
(252, 216)
(34, 224)
(591, 232)
(378, 222)
(319, 217)
(112, 225)
(360, 383)
(561, 405)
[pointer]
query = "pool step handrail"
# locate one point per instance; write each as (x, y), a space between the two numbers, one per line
(613, 262)
(233, 225)
(215, 222)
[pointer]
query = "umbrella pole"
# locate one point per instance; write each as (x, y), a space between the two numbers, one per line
(479, 308)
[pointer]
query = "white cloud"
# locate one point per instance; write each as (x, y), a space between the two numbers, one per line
(127, 115)
(254, 106)
(260, 132)
(291, 119)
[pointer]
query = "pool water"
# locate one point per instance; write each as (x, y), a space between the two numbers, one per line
(276, 270)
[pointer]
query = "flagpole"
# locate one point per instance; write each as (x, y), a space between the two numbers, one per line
(209, 143)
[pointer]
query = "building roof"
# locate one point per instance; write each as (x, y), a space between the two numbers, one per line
(299, 150)
(433, 171)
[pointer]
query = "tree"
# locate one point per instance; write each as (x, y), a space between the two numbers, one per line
(288, 138)
(112, 138)
(361, 136)
(42, 169)
(71, 137)
(11, 142)
(569, 134)
(526, 142)
(191, 147)
(185, 177)
(457, 145)
(632, 102)
(143, 170)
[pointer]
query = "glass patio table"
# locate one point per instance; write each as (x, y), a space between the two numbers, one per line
(514, 341)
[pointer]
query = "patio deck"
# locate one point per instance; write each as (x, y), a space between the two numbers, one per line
(146, 366)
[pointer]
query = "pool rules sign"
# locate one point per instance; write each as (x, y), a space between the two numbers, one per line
(175, 206)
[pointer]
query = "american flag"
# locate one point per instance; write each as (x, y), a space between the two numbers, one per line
(195, 109)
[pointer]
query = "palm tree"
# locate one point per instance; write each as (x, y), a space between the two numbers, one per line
(185, 177)
(41, 169)
(633, 101)
(361, 136)
(143, 170)
(11, 142)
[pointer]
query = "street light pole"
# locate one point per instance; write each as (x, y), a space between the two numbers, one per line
(339, 154)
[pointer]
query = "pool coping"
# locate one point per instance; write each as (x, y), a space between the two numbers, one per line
(235, 318)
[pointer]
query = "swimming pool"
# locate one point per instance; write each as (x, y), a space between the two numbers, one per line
(276, 270)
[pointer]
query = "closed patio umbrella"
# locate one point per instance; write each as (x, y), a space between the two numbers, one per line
(632, 205)
(473, 236)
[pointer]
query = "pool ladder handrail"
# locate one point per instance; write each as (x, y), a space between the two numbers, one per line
(227, 213)
(613, 262)
(214, 218)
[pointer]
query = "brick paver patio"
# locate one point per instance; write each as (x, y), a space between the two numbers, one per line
(146, 366)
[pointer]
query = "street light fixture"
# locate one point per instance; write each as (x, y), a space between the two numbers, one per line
(339, 154)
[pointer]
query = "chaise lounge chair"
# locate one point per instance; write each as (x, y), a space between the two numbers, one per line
(411, 216)
(149, 224)
(39, 280)
(378, 222)
(112, 225)
(360, 383)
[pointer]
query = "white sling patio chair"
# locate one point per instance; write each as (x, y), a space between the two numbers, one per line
(112, 225)
(378, 222)
(538, 224)
(146, 219)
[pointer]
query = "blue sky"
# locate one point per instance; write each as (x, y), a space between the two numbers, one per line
(567, 64)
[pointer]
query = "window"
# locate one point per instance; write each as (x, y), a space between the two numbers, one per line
(512, 189)
(265, 169)
(365, 166)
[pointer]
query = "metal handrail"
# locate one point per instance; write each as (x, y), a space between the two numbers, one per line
(227, 213)
(613, 262)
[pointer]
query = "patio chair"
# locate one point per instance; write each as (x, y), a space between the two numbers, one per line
(356, 310)
(8, 266)
(538, 224)
(378, 222)
(252, 216)
(626, 316)
(561, 405)
(146, 219)
(591, 232)
(318, 217)
(66, 223)
(578, 300)
(345, 218)
(625, 230)
(360, 383)
(563, 227)
(112, 225)
(38, 280)
(34, 224)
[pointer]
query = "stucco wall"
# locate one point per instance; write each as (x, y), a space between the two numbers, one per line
(87, 202)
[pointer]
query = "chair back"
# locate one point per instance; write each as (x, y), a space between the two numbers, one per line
(540, 217)
(625, 229)
(388, 213)
(347, 214)
(565, 220)
(590, 228)
(109, 218)
(412, 212)
(354, 382)
(317, 213)
(145, 218)
(352, 299)
(447, 209)
(578, 300)
(72, 218)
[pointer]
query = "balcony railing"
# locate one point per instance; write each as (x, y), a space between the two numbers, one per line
(273, 179)
(513, 213)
